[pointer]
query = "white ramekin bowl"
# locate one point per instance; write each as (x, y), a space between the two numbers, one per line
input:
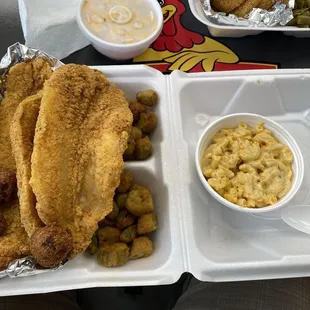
(231, 121)
(122, 51)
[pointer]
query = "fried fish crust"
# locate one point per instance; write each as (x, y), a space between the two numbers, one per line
(81, 135)
(226, 5)
(22, 134)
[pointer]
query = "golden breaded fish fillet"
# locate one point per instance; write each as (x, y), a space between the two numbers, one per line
(24, 79)
(266, 4)
(246, 7)
(22, 135)
(81, 135)
(14, 243)
(226, 5)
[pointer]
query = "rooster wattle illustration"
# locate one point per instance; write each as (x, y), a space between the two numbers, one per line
(178, 48)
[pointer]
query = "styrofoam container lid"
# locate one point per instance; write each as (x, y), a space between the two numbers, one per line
(231, 121)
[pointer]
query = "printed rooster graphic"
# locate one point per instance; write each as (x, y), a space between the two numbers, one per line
(182, 49)
(178, 48)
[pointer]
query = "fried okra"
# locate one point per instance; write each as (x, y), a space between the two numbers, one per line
(141, 247)
(147, 97)
(93, 246)
(129, 153)
(143, 149)
(124, 219)
(121, 200)
(114, 213)
(147, 122)
(136, 108)
(136, 133)
(8, 185)
(106, 222)
(3, 224)
(137, 186)
(129, 234)
(139, 201)
(126, 182)
(108, 234)
(113, 254)
(50, 245)
(147, 223)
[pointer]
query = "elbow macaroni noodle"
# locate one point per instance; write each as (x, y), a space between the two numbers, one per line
(248, 166)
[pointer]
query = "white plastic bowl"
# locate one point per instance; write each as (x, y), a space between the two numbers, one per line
(231, 121)
(123, 51)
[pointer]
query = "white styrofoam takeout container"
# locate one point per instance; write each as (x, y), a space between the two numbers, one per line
(217, 30)
(232, 121)
(196, 233)
(122, 51)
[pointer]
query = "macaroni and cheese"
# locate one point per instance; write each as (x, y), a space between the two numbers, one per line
(248, 166)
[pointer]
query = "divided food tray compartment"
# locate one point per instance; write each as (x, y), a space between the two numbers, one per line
(218, 30)
(196, 234)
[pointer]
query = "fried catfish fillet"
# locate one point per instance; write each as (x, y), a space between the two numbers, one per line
(246, 7)
(8, 185)
(22, 135)
(81, 135)
(14, 243)
(226, 5)
(24, 79)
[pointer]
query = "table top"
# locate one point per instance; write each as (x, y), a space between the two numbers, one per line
(183, 32)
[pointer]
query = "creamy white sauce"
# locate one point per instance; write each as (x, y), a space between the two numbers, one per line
(119, 21)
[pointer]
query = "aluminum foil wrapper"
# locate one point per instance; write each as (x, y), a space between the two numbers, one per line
(279, 15)
(16, 53)
(25, 267)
